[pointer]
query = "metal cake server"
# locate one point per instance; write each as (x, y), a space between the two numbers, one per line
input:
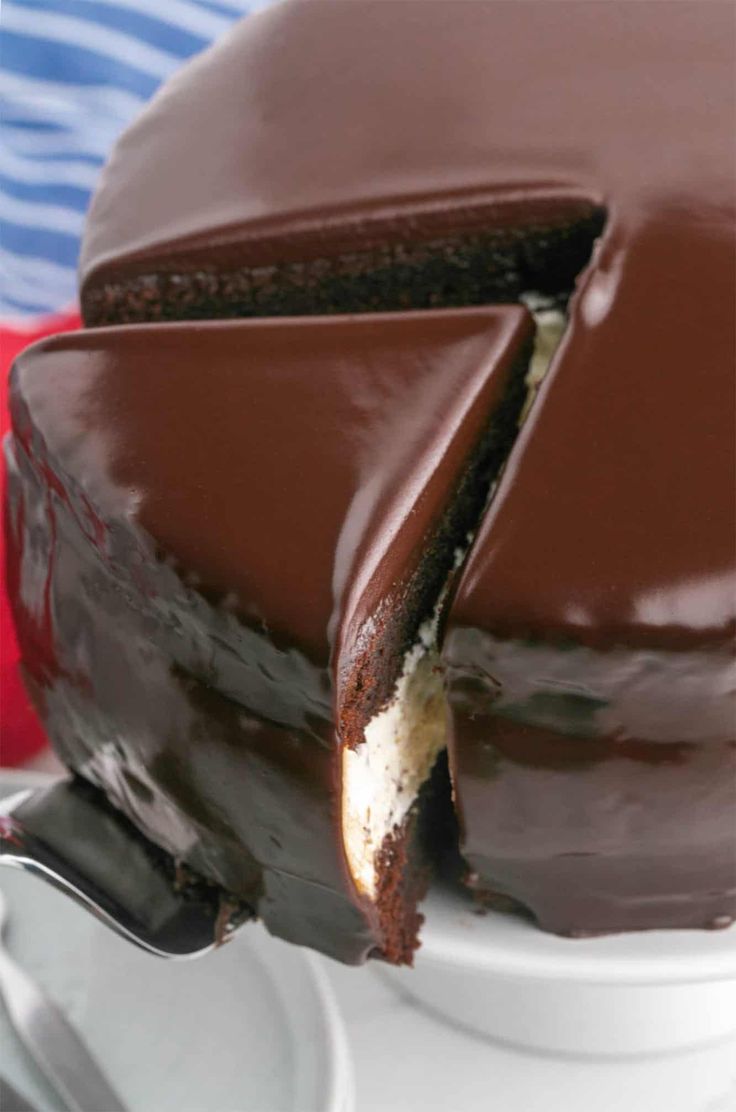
(69, 836)
(11, 1100)
(52, 1042)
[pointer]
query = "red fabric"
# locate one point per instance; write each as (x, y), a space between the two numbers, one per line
(21, 735)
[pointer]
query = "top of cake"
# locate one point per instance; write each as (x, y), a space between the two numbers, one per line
(324, 129)
(316, 123)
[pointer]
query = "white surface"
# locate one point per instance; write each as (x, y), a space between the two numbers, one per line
(568, 1018)
(252, 1027)
(511, 947)
(406, 1058)
(630, 994)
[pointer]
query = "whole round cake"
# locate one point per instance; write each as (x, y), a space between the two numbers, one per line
(384, 511)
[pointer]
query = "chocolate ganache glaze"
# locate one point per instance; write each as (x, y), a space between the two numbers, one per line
(216, 532)
(371, 156)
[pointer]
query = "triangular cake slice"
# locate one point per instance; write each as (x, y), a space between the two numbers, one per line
(227, 545)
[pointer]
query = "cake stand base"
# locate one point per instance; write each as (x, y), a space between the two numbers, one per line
(636, 994)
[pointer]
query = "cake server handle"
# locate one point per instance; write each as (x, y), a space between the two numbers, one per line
(52, 1042)
(11, 1100)
(69, 836)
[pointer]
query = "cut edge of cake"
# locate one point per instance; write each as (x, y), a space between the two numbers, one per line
(392, 781)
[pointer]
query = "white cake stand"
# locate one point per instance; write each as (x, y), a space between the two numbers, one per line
(641, 993)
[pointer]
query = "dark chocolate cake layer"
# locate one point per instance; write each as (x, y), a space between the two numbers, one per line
(207, 524)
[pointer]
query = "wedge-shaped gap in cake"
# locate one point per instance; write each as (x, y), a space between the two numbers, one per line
(466, 250)
(394, 781)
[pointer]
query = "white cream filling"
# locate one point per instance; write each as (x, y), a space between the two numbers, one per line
(551, 323)
(381, 778)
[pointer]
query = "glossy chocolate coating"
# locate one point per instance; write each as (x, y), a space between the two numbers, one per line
(590, 642)
(202, 522)
(323, 126)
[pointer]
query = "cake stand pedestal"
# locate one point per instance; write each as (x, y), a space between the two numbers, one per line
(499, 976)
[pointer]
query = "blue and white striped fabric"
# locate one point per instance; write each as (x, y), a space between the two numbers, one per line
(73, 73)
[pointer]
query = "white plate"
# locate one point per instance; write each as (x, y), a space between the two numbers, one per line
(512, 947)
(252, 1027)
(406, 1059)
(639, 993)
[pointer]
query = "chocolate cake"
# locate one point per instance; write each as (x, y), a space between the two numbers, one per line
(226, 541)
(237, 546)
